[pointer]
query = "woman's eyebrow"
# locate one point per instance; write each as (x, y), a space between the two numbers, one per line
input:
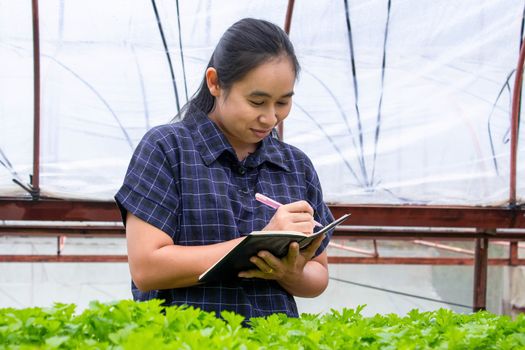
(258, 93)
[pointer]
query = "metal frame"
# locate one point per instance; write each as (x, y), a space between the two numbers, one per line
(375, 222)
(35, 179)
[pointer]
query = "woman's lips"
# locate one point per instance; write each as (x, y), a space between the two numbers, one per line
(261, 133)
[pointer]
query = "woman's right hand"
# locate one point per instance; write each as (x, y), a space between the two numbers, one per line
(296, 216)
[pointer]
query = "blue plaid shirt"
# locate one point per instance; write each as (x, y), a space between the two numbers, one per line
(185, 179)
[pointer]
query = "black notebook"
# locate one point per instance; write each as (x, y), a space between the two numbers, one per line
(276, 242)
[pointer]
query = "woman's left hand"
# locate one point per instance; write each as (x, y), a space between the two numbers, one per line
(287, 269)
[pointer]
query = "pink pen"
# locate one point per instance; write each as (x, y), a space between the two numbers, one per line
(274, 204)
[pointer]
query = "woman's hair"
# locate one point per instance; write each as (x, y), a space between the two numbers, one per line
(246, 45)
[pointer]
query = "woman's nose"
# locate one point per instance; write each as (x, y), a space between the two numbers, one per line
(269, 116)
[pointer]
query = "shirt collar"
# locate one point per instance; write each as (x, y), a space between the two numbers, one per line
(210, 142)
(270, 150)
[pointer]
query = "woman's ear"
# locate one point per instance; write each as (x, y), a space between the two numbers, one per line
(212, 80)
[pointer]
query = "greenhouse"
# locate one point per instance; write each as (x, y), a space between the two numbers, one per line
(409, 112)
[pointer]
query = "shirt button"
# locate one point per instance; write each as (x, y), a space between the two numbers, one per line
(244, 191)
(241, 170)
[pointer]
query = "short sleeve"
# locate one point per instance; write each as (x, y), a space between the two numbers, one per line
(150, 189)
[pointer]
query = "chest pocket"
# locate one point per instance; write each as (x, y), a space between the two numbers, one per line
(209, 206)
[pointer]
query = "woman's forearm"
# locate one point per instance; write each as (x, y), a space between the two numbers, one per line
(156, 263)
(175, 266)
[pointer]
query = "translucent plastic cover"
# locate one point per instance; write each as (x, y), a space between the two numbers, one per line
(397, 102)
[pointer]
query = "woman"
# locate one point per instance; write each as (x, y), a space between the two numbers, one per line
(189, 194)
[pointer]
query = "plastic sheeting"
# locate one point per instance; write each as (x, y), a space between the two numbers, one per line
(397, 101)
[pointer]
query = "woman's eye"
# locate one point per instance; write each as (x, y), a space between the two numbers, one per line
(282, 103)
(256, 103)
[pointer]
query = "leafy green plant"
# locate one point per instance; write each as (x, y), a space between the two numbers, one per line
(148, 325)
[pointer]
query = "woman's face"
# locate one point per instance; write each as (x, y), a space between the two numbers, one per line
(254, 105)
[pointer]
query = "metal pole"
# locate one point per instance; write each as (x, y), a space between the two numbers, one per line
(480, 274)
(35, 178)
(514, 125)
(287, 24)
(513, 253)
